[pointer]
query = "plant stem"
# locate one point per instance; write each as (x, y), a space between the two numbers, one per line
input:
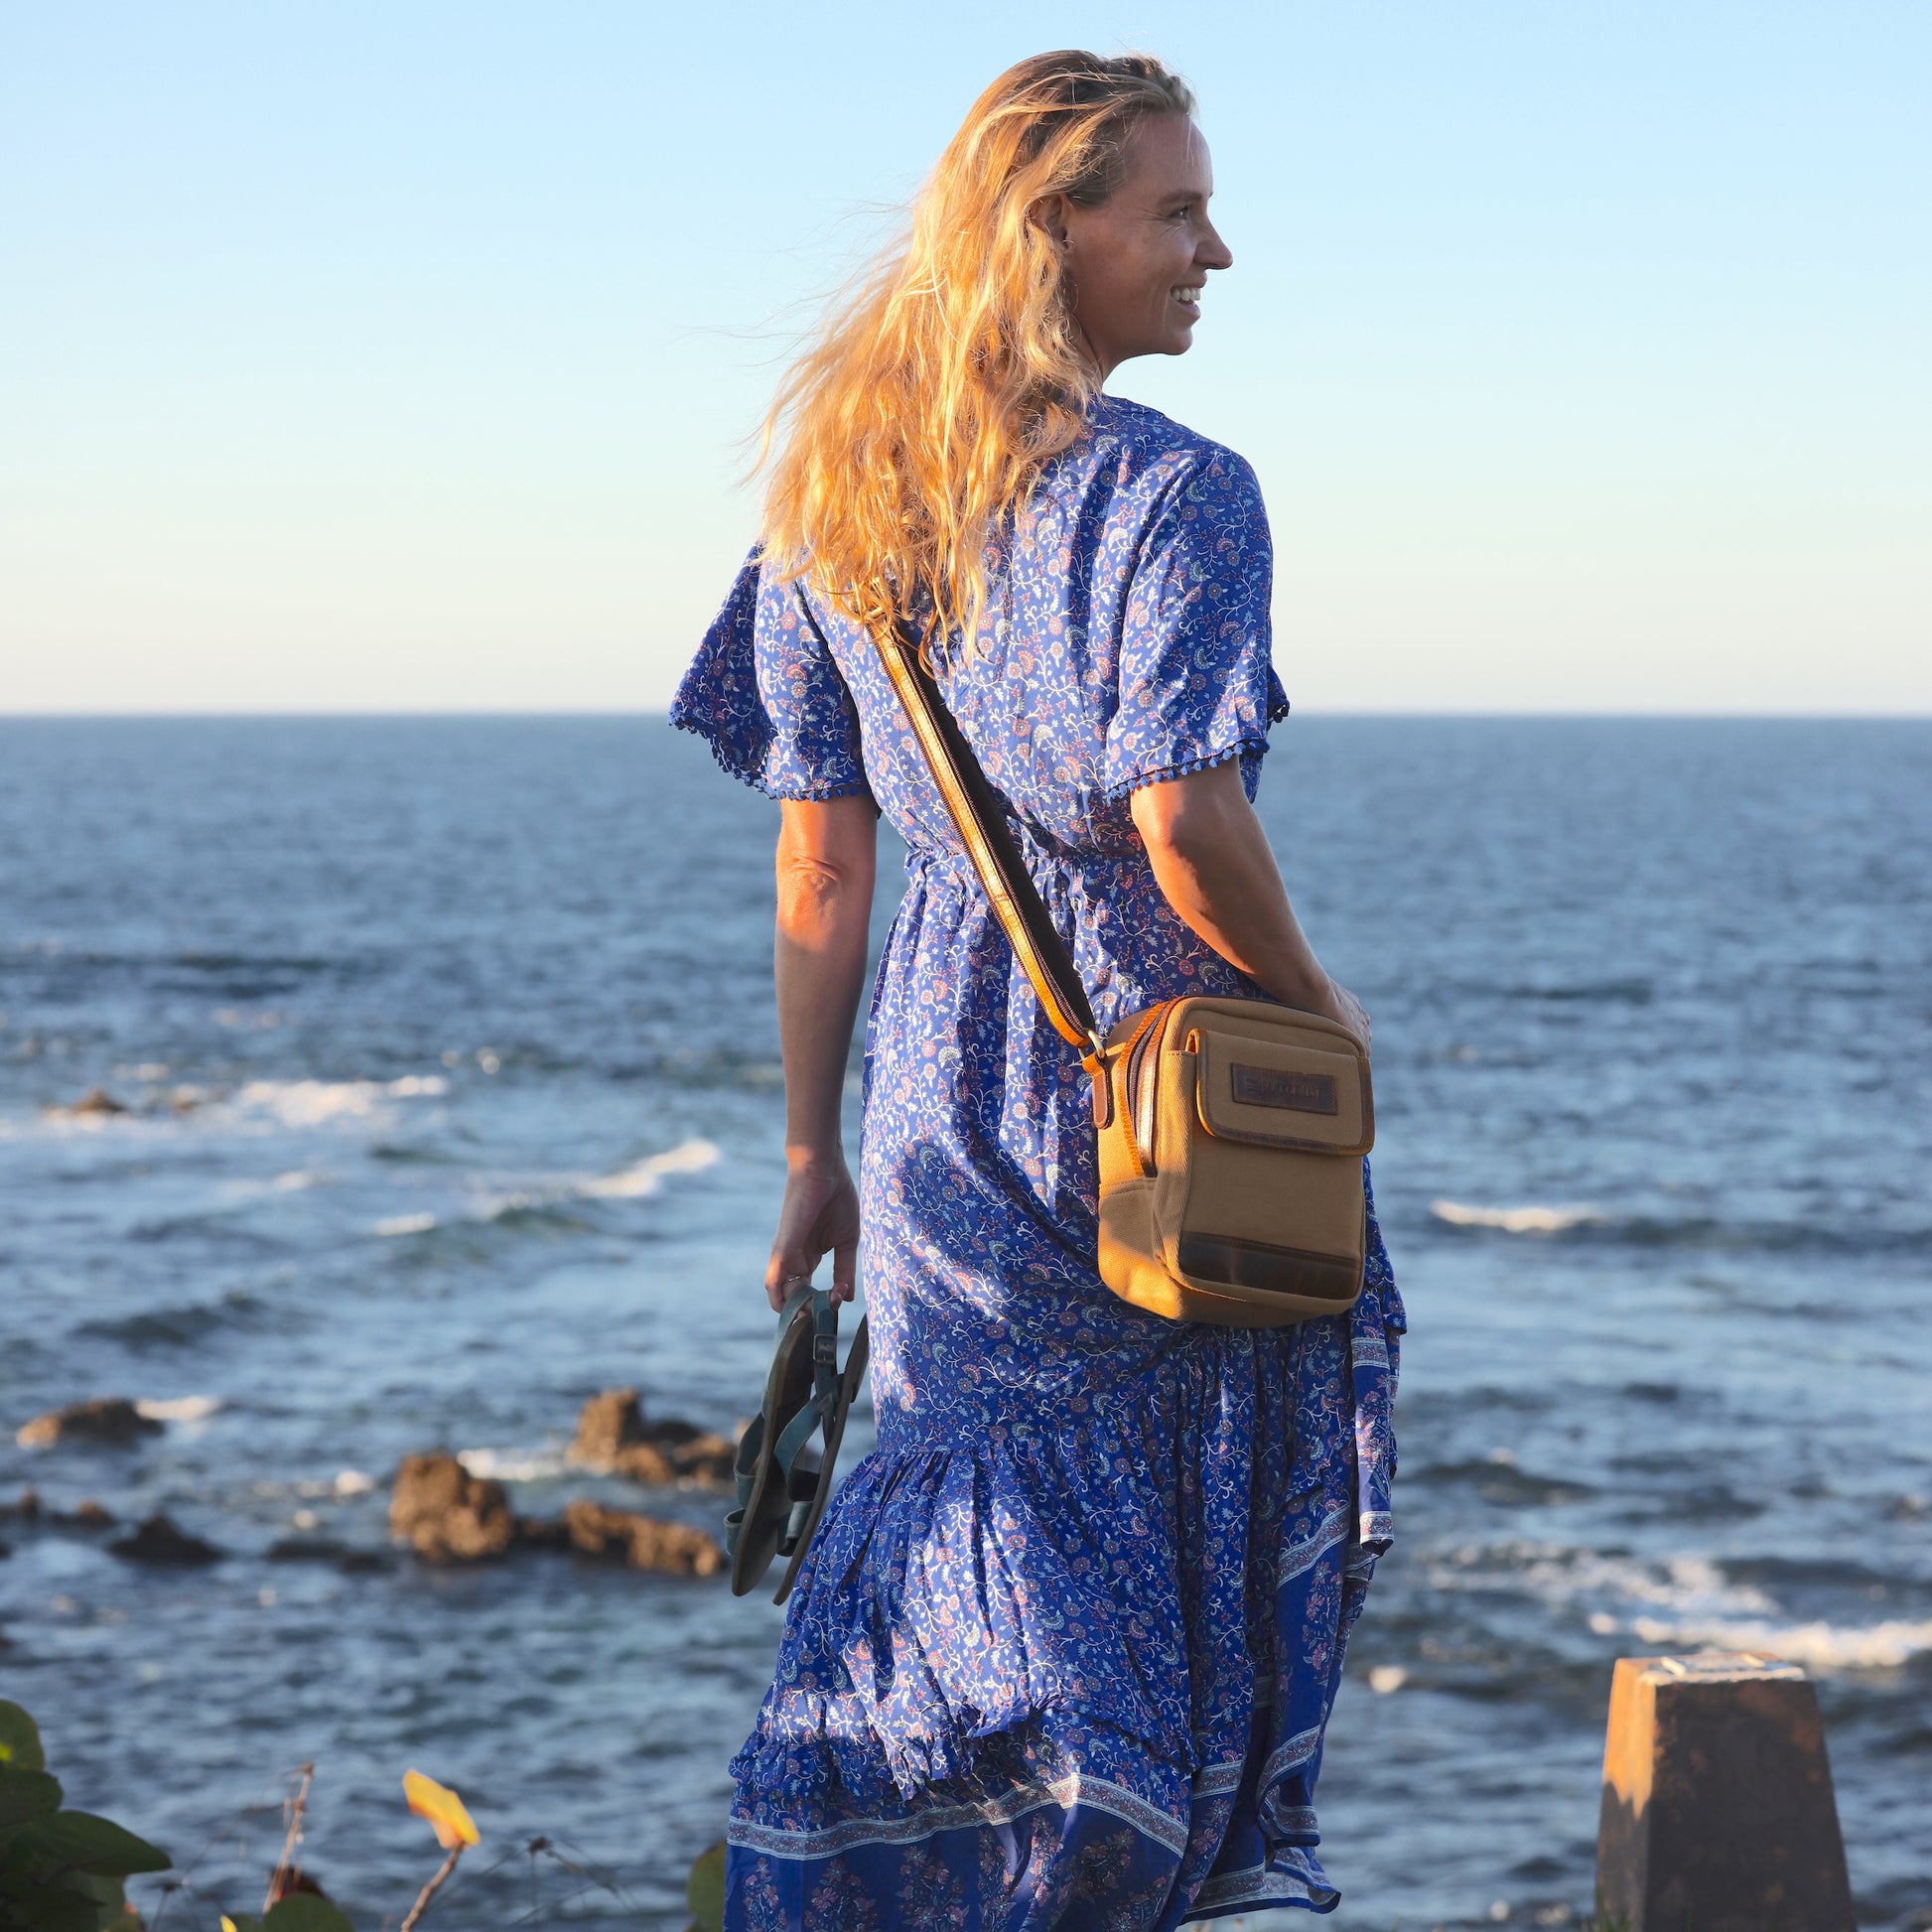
(429, 1890)
(294, 1808)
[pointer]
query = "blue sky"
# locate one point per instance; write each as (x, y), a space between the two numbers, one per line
(396, 357)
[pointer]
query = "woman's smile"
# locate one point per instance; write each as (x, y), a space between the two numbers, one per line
(1136, 263)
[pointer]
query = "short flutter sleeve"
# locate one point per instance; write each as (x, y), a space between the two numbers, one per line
(765, 695)
(1198, 684)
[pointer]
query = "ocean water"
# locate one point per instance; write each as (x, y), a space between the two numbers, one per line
(452, 1097)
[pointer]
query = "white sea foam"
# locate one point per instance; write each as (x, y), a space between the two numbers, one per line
(1821, 1647)
(1685, 1603)
(186, 1407)
(1386, 1679)
(634, 1183)
(405, 1224)
(1685, 1585)
(513, 1465)
(642, 1176)
(1514, 1220)
(354, 1482)
(323, 1103)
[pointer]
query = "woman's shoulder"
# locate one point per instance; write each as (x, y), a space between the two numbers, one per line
(1139, 449)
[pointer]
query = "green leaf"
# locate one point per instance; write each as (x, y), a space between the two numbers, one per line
(91, 1844)
(56, 1908)
(303, 1911)
(20, 1739)
(704, 1891)
(26, 1795)
(107, 1892)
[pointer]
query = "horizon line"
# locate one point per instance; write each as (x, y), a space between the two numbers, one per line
(508, 714)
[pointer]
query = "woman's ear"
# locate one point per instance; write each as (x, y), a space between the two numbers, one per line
(1049, 214)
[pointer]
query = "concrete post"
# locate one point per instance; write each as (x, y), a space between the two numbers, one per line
(1717, 1809)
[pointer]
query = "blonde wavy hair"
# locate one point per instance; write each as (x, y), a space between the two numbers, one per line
(910, 431)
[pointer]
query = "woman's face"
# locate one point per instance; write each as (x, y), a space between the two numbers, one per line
(1139, 260)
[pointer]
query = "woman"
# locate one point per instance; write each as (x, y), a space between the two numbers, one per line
(1063, 1650)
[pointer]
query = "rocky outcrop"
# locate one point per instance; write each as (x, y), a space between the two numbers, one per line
(158, 1541)
(595, 1529)
(108, 1418)
(85, 1515)
(96, 1103)
(614, 1437)
(350, 1558)
(447, 1515)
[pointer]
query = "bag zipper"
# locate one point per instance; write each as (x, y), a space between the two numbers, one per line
(1143, 1119)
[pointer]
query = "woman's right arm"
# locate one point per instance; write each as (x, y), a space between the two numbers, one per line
(1213, 865)
(827, 852)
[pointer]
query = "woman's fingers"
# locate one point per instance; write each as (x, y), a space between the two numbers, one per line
(845, 1269)
(1350, 1011)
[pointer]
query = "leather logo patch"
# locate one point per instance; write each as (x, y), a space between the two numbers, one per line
(1297, 1093)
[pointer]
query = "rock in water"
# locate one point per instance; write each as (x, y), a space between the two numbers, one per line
(612, 1435)
(447, 1515)
(159, 1541)
(644, 1542)
(609, 1424)
(705, 1458)
(97, 1101)
(109, 1418)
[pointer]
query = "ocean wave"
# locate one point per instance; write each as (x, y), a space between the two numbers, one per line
(323, 1103)
(1588, 1224)
(251, 1107)
(186, 1408)
(545, 1200)
(513, 1465)
(643, 1176)
(178, 1328)
(1566, 1577)
(1819, 1647)
(399, 1224)
(1515, 1220)
(1681, 1602)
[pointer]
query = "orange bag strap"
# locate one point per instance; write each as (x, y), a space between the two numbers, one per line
(976, 812)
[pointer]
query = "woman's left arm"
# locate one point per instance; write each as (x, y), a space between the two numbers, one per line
(827, 856)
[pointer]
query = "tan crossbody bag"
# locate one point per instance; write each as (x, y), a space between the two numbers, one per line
(1231, 1131)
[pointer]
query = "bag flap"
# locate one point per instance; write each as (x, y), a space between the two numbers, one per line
(1274, 1089)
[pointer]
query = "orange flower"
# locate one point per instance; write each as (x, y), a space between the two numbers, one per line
(442, 1807)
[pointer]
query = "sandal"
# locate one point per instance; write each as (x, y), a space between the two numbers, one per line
(781, 1493)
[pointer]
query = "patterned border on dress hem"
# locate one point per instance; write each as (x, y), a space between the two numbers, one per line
(700, 726)
(1067, 1792)
(1332, 1529)
(1219, 1779)
(1290, 1754)
(1253, 744)
(1258, 1885)
(1368, 1352)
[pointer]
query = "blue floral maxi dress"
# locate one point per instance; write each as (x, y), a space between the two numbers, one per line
(1065, 1648)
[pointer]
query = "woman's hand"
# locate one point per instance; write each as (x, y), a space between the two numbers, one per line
(1343, 1006)
(818, 1216)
